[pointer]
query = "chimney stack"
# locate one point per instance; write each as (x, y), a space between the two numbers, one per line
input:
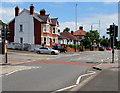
(17, 11)
(81, 27)
(43, 12)
(31, 9)
(72, 32)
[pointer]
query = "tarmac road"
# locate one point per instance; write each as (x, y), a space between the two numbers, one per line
(52, 74)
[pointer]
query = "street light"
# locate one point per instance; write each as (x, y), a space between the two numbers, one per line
(76, 24)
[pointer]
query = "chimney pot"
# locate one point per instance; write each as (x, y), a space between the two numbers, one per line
(43, 12)
(17, 11)
(31, 9)
(81, 27)
(72, 32)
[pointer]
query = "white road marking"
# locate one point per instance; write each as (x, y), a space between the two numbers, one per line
(79, 78)
(77, 82)
(64, 88)
(21, 70)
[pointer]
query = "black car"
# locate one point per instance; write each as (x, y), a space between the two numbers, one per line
(60, 49)
(101, 49)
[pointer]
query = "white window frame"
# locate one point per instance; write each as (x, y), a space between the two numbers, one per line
(46, 28)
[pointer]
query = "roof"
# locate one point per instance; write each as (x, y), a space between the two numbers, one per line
(38, 16)
(79, 32)
(69, 36)
(54, 21)
(44, 18)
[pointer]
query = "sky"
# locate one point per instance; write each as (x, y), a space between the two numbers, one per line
(98, 14)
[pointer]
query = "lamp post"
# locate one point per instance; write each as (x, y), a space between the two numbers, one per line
(76, 24)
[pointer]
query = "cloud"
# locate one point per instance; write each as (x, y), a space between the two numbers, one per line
(6, 14)
(105, 21)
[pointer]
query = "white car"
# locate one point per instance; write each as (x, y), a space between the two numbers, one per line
(46, 50)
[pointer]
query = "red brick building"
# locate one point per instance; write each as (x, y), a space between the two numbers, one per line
(80, 33)
(33, 28)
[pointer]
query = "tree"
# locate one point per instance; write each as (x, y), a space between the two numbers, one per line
(104, 42)
(91, 37)
(87, 43)
(66, 29)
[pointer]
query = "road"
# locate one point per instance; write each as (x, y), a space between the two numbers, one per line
(50, 72)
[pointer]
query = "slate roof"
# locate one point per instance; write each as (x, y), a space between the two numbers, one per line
(44, 18)
(68, 35)
(40, 17)
(54, 21)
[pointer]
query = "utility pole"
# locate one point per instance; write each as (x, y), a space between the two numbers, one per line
(99, 27)
(76, 24)
(91, 27)
(76, 17)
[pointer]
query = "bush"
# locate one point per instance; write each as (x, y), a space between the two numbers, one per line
(118, 47)
(74, 46)
(88, 47)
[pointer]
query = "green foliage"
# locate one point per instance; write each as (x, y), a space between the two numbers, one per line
(105, 42)
(87, 41)
(93, 35)
(3, 24)
(90, 37)
(66, 29)
(74, 46)
(118, 45)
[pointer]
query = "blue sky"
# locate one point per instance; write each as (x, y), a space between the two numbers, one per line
(88, 13)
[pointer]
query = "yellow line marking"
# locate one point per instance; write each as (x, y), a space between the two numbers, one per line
(35, 55)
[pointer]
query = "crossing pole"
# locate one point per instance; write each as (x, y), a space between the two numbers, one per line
(113, 43)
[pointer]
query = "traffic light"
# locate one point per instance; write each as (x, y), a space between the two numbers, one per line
(116, 31)
(3, 33)
(7, 34)
(112, 30)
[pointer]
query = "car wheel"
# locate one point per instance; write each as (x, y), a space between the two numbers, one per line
(38, 52)
(65, 51)
(59, 51)
(53, 53)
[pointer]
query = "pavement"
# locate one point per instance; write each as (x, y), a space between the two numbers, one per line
(106, 80)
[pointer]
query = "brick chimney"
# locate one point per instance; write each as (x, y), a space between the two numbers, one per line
(72, 32)
(31, 9)
(81, 27)
(17, 9)
(43, 12)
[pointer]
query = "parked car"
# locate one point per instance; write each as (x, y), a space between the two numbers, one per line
(101, 48)
(60, 49)
(108, 48)
(46, 50)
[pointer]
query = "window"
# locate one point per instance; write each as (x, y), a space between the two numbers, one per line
(21, 40)
(54, 30)
(53, 40)
(21, 28)
(44, 40)
(46, 28)
(43, 48)
(48, 40)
